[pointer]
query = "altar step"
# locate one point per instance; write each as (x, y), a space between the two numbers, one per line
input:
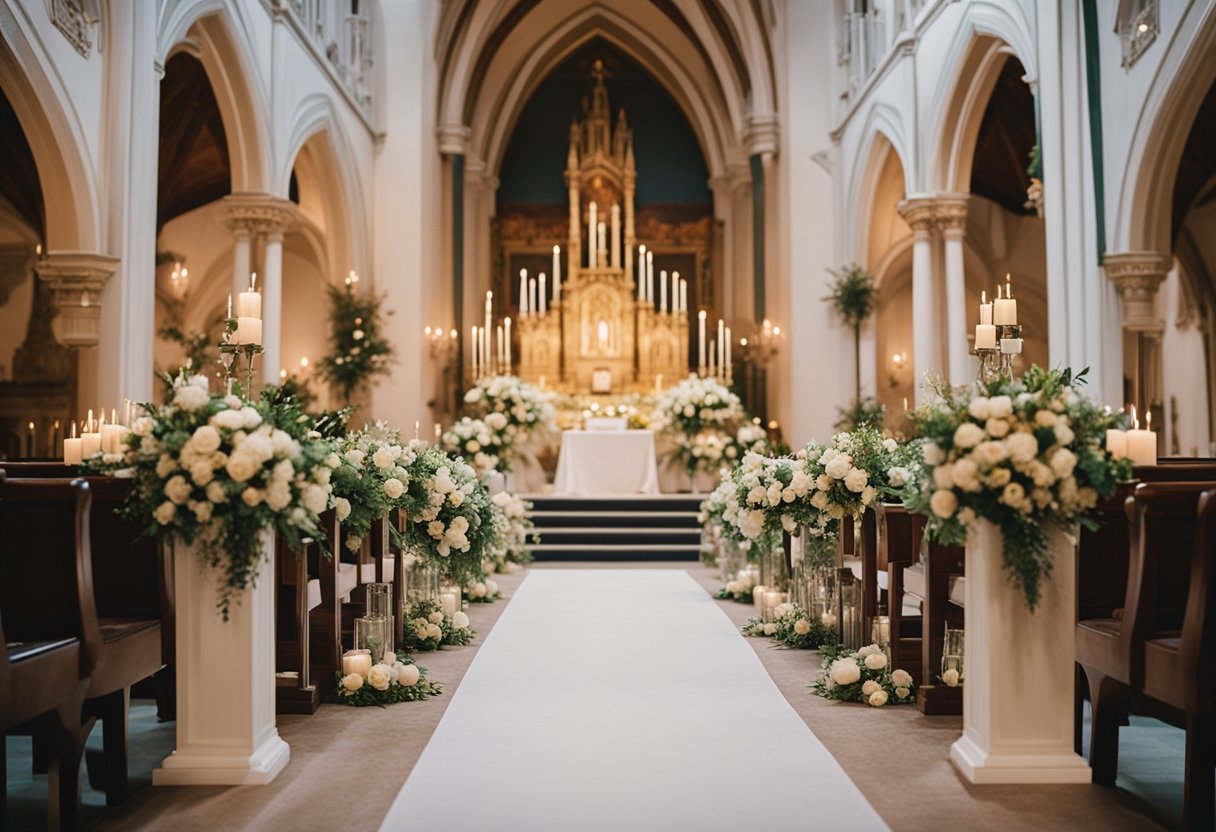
(617, 529)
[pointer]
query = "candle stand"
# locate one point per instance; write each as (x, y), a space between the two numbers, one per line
(997, 362)
(228, 354)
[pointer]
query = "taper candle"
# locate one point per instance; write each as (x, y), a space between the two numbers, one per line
(523, 291)
(985, 309)
(507, 325)
(544, 302)
(557, 273)
(663, 291)
(641, 275)
(701, 342)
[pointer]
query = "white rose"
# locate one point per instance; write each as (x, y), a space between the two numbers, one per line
(839, 467)
(950, 678)
(856, 480)
(1023, 447)
(435, 617)
(876, 661)
(383, 458)
(997, 428)
(869, 687)
(770, 629)
(433, 632)
(1013, 495)
(202, 510)
(177, 489)
(352, 682)
(968, 435)
(460, 620)
(901, 678)
(216, 493)
(889, 445)
(408, 675)
(902, 693)
(802, 626)
(979, 408)
(250, 417)
(1063, 462)
(206, 439)
(943, 503)
(164, 513)
(1045, 419)
(342, 508)
(844, 671)
(380, 676)
(491, 588)
(943, 476)
(228, 420)
(394, 488)
(878, 698)
(933, 454)
(1000, 407)
(201, 472)
(191, 398)
(315, 498)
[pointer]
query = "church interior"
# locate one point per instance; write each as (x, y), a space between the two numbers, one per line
(599, 414)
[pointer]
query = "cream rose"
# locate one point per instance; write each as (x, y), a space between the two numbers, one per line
(950, 678)
(943, 503)
(435, 617)
(352, 682)
(802, 627)
(844, 671)
(869, 687)
(380, 676)
(901, 678)
(878, 698)
(460, 620)
(408, 674)
(876, 661)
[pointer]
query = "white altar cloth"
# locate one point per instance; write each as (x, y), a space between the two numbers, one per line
(604, 463)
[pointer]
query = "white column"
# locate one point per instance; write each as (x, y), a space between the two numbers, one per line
(919, 213)
(242, 258)
(272, 308)
(956, 306)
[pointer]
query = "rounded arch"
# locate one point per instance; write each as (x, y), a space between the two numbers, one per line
(330, 190)
(216, 35)
(1187, 72)
(66, 175)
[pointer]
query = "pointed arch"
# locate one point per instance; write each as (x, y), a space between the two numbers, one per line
(883, 135)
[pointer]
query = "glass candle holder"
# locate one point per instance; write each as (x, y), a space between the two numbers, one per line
(356, 661)
(379, 599)
(421, 583)
(849, 605)
(952, 658)
(880, 631)
(372, 635)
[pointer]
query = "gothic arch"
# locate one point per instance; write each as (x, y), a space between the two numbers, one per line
(56, 137)
(884, 136)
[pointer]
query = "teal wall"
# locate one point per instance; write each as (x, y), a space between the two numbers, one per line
(671, 168)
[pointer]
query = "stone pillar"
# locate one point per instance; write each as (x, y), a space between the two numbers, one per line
(1137, 276)
(952, 223)
(242, 258)
(272, 307)
(920, 215)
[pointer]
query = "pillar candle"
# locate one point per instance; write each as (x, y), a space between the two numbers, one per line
(448, 600)
(592, 240)
(557, 273)
(523, 291)
(72, 453)
(721, 345)
(985, 336)
(532, 295)
(602, 245)
(985, 309)
(701, 341)
(507, 326)
(728, 368)
(1116, 443)
(248, 330)
(615, 250)
(683, 296)
(641, 272)
(249, 303)
(1005, 312)
(356, 661)
(663, 291)
(1142, 444)
(90, 440)
(650, 277)
(544, 301)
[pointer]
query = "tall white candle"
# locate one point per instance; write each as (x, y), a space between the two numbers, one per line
(727, 367)
(592, 224)
(249, 303)
(502, 350)
(641, 276)
(712, 370)
(523, 291)
(248, 330)
(721, 345)
(532, 295)
(507, 325)
(473, 348)
(675, 291)
(985, 336)
(544, 301)
(701, 342)
(557, 273)
(1142, 444)
(683, 296)
(616, 236)
(663, 291)
(985, 309)
(602, 246)
(649, 276)
(1005, 312)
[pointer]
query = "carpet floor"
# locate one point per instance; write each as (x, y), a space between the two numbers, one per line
(624, 699)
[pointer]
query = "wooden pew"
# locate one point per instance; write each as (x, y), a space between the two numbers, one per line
(1179, 673)
(1110, 650)
(899, 543)
(133, 591)
(296, 596)
(52, 636)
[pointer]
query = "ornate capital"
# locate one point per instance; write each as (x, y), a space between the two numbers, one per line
(1137, 276)
(453, 139)
(762, 134)
(920, 212)
(254, 213)
(15, 262)
(76, 279)
(950, 213)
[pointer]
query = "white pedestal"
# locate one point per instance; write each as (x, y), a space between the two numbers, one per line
(226, 734)
(1018, 694)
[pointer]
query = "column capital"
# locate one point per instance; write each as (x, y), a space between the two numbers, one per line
(453, 138)
(257, 213)
(920, 212)
(735, 178)
(950, 213)
(76, 279)
(762, 134)
(1137, 276)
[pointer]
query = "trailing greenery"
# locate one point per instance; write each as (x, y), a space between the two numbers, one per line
(358, 349)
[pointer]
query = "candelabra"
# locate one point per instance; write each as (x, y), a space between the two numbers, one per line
(228, 353)
(762, 347)
(441, 345)
(997, 362)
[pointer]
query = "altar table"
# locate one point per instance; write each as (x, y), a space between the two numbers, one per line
(606, 463)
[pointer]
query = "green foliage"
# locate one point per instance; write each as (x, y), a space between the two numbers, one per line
(198, 347)
(787, 631)
(367, 695)
(359, 350)
(854, 294)
(1034, 168)
(867, 412)
(896, 685)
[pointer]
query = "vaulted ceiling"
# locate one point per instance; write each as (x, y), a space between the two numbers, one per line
(1007, 135)
(19, 183)
(193, 164)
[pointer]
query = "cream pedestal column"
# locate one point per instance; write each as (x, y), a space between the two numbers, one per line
(1018, 693)
(272, 308)
(226, 734)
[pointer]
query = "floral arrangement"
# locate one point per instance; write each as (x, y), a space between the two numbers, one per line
(750, 438)
(484, 443)
(449, 521)
(515, 531)
(359, 349)
(482, 591)
(1028, 456)
(857, 469)
(369, 480)
(741, 588)
(427, 627)
(698, 415)
(394, 679)
(863, 676)
(792, 627)
(215, 472)
(526, 410)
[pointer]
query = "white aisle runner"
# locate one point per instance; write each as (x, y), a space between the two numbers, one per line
(622, 700)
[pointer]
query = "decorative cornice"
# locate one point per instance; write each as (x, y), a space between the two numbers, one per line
(1137, 276)
(76, 279)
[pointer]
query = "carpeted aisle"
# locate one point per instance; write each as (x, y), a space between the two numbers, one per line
(622, 699)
